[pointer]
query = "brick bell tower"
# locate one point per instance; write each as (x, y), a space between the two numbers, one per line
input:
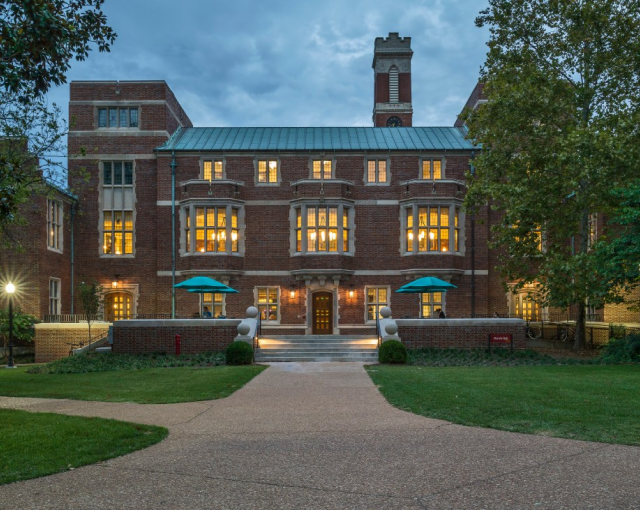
(392, 81)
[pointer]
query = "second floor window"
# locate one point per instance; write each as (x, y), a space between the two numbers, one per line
(54, 225)
(212, 170)
(268, 171)
(211, 229)
(432, 169)
(115, 117)
(117, 211)
(434, 228)
(322, 229)
(322, 169)
(377, 171)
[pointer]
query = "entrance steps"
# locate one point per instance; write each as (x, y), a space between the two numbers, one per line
(300, 348)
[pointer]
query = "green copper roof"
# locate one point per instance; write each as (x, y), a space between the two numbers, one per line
(316, 139)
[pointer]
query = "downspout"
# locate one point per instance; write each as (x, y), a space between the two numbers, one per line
(73, 217)
(473, 248)
(173, 234)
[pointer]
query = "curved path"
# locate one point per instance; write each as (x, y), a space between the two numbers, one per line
(319, 435)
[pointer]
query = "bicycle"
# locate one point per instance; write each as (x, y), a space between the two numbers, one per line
(533, 332)
(566, 333)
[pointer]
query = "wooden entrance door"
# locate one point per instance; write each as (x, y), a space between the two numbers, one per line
(322, 313)
(117, 306)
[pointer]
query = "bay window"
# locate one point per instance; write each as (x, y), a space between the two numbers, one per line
(211, 229)
(432, 228)
(322, 229)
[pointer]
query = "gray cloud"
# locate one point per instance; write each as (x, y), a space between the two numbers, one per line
(286, 62)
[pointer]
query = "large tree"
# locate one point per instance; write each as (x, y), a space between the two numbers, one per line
(38, 41)
(559, 132)
(39, 38)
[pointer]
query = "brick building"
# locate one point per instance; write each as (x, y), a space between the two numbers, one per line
(317, 227)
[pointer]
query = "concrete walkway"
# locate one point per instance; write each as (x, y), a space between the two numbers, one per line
(319, 435)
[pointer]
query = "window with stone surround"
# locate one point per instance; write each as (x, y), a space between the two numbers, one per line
(212, 169)
(268, 171)
(323, 229)
(432, 169)
(54, 296)
(433, 228)
(118, 199)
(431, 303)
(377, 298)
(268, 303)
(118, 117)
(215, 304)
(54, 225)
(321, 169)
(211, 228)
(377, 171)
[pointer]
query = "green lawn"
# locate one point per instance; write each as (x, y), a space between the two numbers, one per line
(39, 444)
(594, 403)
(146, 386)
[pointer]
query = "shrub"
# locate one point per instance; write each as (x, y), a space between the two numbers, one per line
(392, 351)
(622, 350)
(239, 353)
(109, 362)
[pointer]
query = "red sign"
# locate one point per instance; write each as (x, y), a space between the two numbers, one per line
(500, 338)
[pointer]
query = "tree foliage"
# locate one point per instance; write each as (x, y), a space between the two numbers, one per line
(90, 297)
(39, 38)
(22, 327)
(559, 132)
(38, 41)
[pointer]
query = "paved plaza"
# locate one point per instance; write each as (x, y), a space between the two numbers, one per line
(320, 435)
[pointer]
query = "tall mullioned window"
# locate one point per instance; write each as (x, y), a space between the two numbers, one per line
(377, 298)
(118, 199)
(54, 225)
(322, 229)
(431, 303)
(54, 296)
(434, 228)
(211, 229)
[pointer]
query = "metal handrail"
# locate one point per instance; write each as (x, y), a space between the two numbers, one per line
(378, 330)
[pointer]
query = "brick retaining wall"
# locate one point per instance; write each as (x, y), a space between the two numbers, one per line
(458, 333)
(197, 335)
(52, 340)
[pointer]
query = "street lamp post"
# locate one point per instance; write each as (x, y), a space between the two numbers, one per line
(10, 289)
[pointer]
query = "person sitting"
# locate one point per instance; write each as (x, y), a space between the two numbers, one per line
(442, 315)
(206, 313)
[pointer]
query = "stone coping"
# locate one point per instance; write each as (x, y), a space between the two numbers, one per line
(430, 323)
(71, 325)
(175, 323)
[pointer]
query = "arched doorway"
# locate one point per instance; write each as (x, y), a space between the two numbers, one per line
(118, 306)
(322, 313)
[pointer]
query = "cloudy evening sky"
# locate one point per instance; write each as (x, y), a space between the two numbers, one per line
(288, 62)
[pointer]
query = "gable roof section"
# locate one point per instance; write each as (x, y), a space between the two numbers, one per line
(316, 139)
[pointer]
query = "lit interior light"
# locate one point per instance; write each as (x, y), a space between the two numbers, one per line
(322, 235)
(411, 235)
(273, 164)
(117, 252)
(421, 236)
(332, 236)
(234, 236)
(444, 248)
(351, 293)
(222, 235)
(292, 294)
(114, 284)
(431, 236)
(313, 236)
(202, 250)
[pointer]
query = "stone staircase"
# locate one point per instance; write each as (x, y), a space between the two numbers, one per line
(317, 348)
